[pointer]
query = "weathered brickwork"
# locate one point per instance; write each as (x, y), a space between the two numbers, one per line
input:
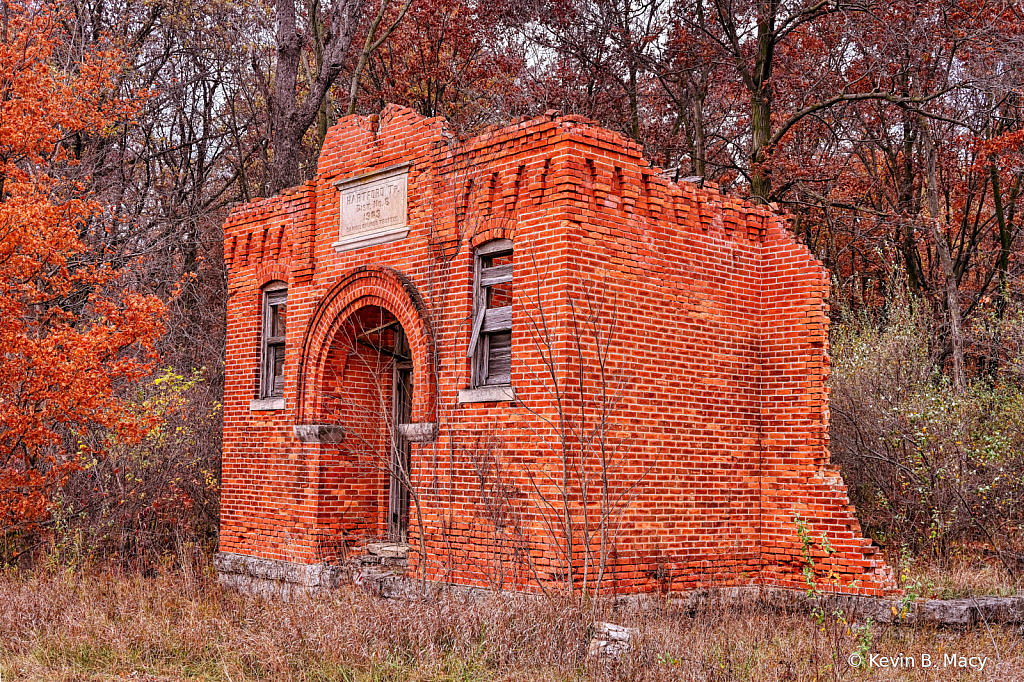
(667, 417)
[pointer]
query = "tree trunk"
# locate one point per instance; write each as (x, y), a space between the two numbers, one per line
(634, 103)
(698, 144)
(956, 336)
(289, 117)
(760, 134)
(760, 86)
(1002, 265)
(1005, 240)
(287, 152)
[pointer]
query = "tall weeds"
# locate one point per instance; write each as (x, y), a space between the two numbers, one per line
(135, 505)
(932, 473)
(180, 625)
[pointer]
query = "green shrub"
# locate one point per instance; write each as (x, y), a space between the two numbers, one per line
(930, 471)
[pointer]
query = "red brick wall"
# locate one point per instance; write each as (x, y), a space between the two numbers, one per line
(674, 333)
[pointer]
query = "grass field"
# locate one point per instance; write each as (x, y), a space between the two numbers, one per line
(64, 625)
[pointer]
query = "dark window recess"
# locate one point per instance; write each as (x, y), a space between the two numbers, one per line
(275, 316)
(490, 343)
(499, 358)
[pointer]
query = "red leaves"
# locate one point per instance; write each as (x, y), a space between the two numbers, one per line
(68, 338)
(447, 58)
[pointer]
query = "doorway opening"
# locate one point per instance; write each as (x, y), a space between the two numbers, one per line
(368, 390)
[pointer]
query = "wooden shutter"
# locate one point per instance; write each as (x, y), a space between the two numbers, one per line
(490, 343)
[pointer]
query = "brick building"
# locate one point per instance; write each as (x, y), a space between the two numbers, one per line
(526, 356)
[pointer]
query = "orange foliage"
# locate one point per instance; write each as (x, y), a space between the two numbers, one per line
(68, 339)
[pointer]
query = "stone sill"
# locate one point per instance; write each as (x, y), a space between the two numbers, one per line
(267, 404)
(487, 394)
(423, 432)
(362, 240)
(319, 433)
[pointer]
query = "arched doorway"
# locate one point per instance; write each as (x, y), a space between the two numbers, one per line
(367, 387)
(359, 288)
(367, 341)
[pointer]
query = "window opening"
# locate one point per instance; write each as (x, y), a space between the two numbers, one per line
(275, 316)
(490, 344)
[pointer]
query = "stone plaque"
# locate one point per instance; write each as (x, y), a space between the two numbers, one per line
(374, 209)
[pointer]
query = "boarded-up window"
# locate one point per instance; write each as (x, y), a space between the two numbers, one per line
(275, 317)
(490, 344)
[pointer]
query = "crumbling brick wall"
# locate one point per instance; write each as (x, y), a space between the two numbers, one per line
(669, 366)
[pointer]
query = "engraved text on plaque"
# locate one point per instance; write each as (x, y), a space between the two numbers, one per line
(374, 209)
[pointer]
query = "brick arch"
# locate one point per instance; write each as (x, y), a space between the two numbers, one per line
(365, 286)
(490, 234)
(271, 272)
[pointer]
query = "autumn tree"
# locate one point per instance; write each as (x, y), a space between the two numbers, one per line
(70, 338)
(454, 58)
(315, 43)
(923, 190)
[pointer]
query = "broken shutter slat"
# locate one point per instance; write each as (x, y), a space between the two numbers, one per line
(499, 275)
(475, 337)
(381, 328)
(498, 319)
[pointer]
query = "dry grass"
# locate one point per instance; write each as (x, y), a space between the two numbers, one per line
(180, 625)
(961, 576)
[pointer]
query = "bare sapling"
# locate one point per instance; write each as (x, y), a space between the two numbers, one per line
(583, 499)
